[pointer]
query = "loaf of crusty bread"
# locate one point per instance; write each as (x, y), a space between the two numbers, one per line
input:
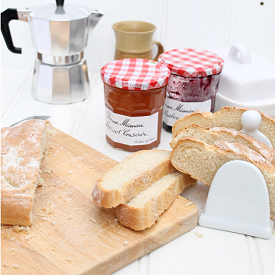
(228, 117)
(133, 175)
(22, 148)
(202, 161)
(145, 209)
(211, 135)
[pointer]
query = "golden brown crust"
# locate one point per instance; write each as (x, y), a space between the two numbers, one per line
(210, 135)
(109, 198)
(21, 154)
(229, 117)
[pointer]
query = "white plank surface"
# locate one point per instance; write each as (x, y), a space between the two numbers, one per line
(180, 23)
(216, 252)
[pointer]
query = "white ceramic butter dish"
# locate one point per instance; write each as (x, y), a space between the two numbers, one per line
(246, 80)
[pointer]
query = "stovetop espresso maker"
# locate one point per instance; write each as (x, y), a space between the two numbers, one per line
(60, 34)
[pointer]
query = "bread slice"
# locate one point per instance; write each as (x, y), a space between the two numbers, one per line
(228, 117)
(144, 210)
(22, 148)
(133, 175)
(202, 161)
(211, 135)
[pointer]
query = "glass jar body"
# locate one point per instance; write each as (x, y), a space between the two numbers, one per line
(188, 94)
(133, 119)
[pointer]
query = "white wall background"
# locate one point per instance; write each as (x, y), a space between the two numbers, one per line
(180, 23)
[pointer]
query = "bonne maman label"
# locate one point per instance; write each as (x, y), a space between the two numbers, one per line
(140, 130)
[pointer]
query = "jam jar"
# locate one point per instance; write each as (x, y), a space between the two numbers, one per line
(134, 92)
(193, 84)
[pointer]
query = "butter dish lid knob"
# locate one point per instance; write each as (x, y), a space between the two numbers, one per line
(244, 52)
(251, 121)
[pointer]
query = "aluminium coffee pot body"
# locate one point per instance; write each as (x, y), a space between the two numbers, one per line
(60, 34)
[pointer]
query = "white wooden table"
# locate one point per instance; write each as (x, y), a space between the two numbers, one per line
(216, 252)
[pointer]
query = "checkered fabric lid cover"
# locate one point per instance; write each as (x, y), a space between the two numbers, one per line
(135, 74)
(192, 62)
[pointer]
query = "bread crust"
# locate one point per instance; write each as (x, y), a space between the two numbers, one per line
(211, 135)
(140, 218)
(21, 154)
(190, 151)
(229, 117)
(109, 198)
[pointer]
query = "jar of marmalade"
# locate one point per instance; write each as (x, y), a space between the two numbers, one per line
(134, 91)
(193, 83)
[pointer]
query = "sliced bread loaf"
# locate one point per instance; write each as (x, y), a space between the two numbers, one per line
(144, 210)
(229, 117)
(22, 148)
(133, 175)
(202, 161)
(211, 135)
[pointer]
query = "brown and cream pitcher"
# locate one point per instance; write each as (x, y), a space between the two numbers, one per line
(134, 40)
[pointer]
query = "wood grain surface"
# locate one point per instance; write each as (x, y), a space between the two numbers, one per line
(70, 234)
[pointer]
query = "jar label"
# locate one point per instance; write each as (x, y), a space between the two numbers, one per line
(139, 130)
(174, 109)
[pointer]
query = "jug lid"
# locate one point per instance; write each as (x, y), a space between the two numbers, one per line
(61, 12)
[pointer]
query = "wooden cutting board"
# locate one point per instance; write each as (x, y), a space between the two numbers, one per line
(70, 234)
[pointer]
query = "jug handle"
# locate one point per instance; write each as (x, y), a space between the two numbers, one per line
(160, 49)
(6, 17)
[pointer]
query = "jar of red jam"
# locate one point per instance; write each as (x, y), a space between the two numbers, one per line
(134, 91)
(193, 84)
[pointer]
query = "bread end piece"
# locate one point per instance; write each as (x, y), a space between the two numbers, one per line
(17, 199)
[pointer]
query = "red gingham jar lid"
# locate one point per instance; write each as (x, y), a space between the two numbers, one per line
(135, 74)
(192, 62)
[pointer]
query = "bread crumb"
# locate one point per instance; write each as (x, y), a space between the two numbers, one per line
(29, 236)
(5, 264)
(93, 220)
(188, 204)
(70, 217)
(125, 243)
(70, 172)
(115, 220)
(68, 259)
(40, 182)
(47, 171)
(38, 263)
(15, 266)
(11, 249)
(199, 235)
(44, 219)
(53, 223)
(21, 228)
(13, 238)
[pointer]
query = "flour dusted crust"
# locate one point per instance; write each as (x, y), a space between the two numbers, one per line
(211, 135)
(144, 210)
(202, 161)
(137, 182)
(229, 117)
(22, 148)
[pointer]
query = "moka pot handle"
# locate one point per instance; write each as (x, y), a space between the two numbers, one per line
(6, 17)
